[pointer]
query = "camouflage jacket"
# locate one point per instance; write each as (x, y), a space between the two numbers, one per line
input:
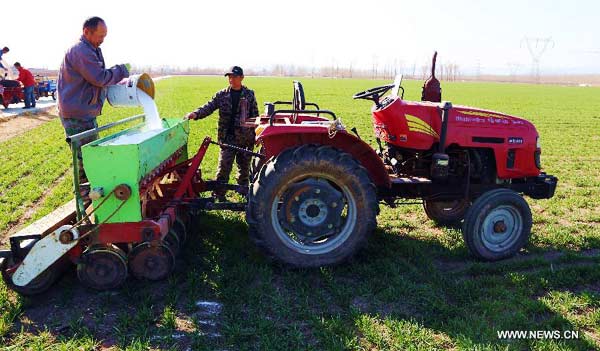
(230, 123)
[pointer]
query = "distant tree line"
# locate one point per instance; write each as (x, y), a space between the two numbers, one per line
(444, 72)
(448, 72)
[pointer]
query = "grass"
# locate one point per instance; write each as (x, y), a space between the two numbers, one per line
(415, 286)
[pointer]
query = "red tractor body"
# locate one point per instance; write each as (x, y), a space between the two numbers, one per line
(11, 92)
(414, 126)
(417, 126)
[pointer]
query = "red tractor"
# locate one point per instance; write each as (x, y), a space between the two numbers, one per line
(11, 92)
(316, 192)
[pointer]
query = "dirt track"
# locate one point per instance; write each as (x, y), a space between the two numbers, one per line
(20, 124)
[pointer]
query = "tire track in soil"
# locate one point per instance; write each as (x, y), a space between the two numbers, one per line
(19, 125)
(14, 227)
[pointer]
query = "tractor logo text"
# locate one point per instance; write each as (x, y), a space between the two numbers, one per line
(515, 140)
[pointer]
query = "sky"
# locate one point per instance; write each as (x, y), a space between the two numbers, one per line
(479, 36)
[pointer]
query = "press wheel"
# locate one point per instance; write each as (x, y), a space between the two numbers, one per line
(102, 267)
(151, 260)
(173, 241)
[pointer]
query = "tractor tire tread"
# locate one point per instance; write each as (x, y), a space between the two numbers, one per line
(297, 158)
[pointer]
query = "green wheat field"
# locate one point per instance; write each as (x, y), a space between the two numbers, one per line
(414, 287)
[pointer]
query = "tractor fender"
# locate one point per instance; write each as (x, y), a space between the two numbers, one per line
(275, 140)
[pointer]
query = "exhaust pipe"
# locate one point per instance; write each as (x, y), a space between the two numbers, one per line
(440, 160)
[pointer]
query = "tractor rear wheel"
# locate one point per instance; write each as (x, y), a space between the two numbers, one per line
(446, 213)
(498, 225)
(311, 206)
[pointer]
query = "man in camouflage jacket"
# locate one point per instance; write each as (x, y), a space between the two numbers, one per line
(235, 103)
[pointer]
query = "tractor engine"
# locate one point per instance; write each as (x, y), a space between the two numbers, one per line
(476, 163)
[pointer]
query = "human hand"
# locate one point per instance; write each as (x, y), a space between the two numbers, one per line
(191, 115)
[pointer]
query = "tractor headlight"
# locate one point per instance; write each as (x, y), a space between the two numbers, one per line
(537, 153)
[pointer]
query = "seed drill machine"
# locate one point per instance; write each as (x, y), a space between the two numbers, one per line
(135, 220)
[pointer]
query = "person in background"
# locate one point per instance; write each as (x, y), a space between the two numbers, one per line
(5, 69)
(82, 81)
(28, 81)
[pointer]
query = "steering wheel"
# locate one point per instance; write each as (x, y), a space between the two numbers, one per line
(299, 102)
(373, 94)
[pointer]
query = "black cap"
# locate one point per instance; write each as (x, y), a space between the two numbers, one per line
(235, 70)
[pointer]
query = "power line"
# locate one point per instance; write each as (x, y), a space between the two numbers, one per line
(537, 47)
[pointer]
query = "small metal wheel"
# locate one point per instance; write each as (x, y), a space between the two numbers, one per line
(151, 260)
(173, 242)
(498, 225)
(38, 285)
(184, 217)
(102, 267)
(181, 230)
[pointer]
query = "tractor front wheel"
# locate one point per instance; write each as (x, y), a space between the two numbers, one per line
(498, 225)
(311, 206)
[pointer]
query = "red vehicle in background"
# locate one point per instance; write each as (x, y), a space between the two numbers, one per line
(11, 92)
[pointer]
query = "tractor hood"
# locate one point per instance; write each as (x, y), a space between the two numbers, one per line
(417, 125)
(461, 114)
